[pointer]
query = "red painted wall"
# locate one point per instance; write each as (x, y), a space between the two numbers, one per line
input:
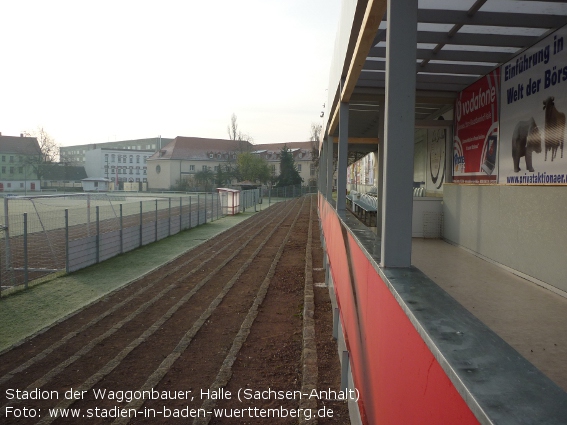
(399, 380)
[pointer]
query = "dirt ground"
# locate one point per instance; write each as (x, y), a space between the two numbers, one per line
(217, 332)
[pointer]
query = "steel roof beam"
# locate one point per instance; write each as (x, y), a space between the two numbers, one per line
(451, 55)
(469, 39)
(449, 68)
(431, 78)
(496, 19)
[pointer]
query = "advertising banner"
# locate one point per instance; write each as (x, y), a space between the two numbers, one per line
(475, 143)
(371, 165)
(435, 164)
(369, 169)
(534, 102)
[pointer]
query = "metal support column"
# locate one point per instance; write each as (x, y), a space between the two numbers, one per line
(97, 234)
(26, 274)
(330, 168)
(66, 240)
(397, 200)
(141, 222)
(380, 175)
(156, 221)
(121, 230)
(342, 161)
(322, 167)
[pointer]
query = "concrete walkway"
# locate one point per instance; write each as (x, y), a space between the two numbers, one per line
(24, 313)
(530, 318)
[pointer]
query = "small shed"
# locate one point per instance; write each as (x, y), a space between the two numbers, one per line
(95, 184)
(230, 200)
(247, 185)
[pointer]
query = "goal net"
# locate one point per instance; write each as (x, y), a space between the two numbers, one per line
(35, 230)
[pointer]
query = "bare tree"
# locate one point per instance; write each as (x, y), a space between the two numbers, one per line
(48, 147)
(47, 144)
(244, 140)
(314, 138)
(233, 132)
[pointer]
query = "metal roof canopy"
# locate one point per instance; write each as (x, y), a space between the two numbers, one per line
(458, 42)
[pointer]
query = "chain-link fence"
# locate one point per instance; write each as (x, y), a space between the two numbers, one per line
(71, 234)
(48, 239)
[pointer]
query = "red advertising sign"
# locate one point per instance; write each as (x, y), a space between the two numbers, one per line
(475, 143)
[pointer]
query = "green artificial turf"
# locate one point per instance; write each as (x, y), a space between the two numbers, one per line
(25, 312)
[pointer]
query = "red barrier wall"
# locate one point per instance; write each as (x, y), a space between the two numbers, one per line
(399, 379)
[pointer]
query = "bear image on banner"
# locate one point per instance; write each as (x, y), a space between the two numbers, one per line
(532, 114)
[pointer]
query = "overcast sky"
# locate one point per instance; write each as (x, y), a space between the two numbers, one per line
(99, 71)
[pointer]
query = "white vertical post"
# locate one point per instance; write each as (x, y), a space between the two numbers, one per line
(399, 133)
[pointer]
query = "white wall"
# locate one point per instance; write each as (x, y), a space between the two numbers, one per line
(20, 185)
(521, 227)
(93, 163)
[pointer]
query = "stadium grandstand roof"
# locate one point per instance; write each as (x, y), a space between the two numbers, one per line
(458, 41)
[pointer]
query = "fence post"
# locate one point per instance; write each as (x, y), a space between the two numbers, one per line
(198, 210)
(121, 231)
(190, 212)
(66, 240)
(97, 235)
(169, 220)
(270, 196)
(205, 207)
(254, 200)
(180, 213)
(141, 221)
(26, 250)
(155, 226)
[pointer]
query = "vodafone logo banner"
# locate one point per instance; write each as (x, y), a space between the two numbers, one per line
(475, 143)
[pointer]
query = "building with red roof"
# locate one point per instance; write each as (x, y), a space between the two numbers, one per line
(185, 156)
